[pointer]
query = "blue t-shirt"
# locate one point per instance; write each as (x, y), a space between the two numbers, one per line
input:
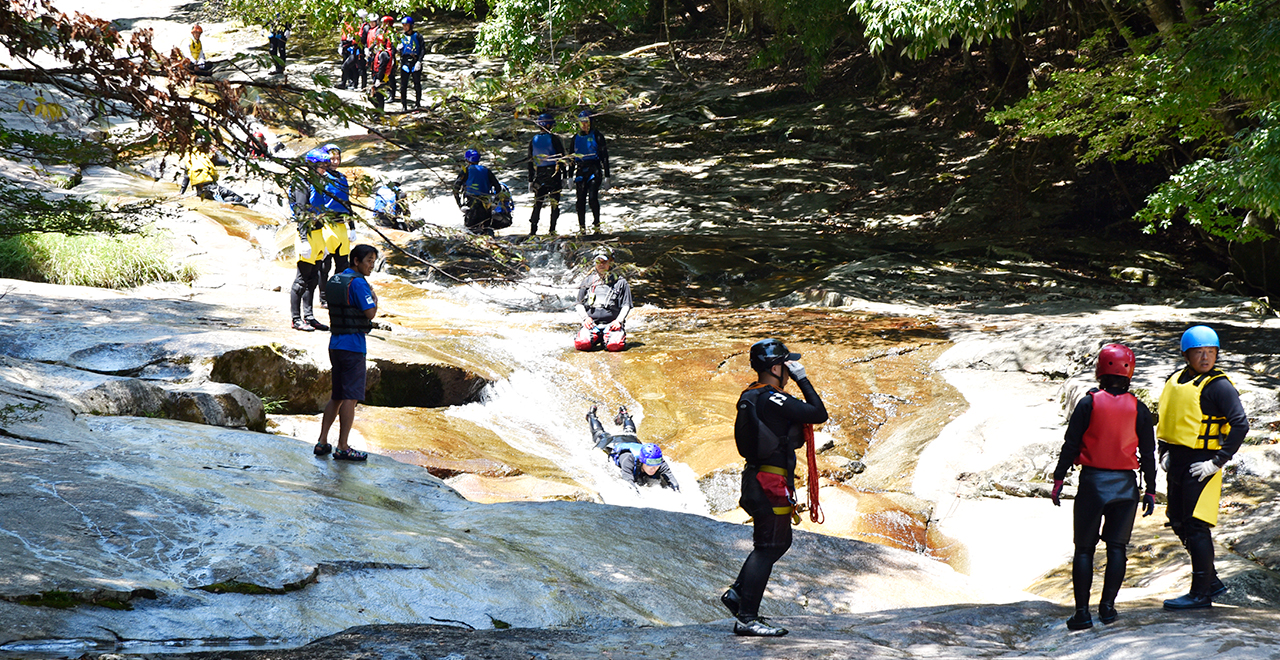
(360, 295)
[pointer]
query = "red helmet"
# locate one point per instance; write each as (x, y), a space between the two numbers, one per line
(197, 28)
(1116, 360)
(388, 19)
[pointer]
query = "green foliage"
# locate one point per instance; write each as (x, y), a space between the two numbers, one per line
(1209, 91)
(811, 28)
(99, 260)
(516, 30)
(923, 27)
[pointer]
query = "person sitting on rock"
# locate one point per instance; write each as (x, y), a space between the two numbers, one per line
(604, 300)
(639, 463)
(473, 191)
(1110, 435)
(389, 207)
(201, 174)
(198, 64)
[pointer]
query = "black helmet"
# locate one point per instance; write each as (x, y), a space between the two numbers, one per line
(768, 352)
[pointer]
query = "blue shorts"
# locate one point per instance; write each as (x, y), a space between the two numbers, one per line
(348, 374)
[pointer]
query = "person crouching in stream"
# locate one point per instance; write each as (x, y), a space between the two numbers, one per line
(352, 308)
(1109, 435)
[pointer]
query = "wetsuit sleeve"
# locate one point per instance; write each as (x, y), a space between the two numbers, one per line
(582, 291)
(530, 157)
(627, 465)
(1146, 446)
(668, 477)
(557, 144)
(1220, 398)
(1073, 440)
(603, 151)
(791, 410)
(494, 185)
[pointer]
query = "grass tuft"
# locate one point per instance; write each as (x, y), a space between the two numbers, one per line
(97, 260)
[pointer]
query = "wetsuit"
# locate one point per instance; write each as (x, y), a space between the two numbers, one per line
(545, 179)
(1110, 435)
(384, 85)
(351, 51)
(277, 39)
(604, 298)
(309, 247)
(471, 190)
(624, 451)
(769, 497)
(591, 167)
(411, 52)
(1201, 419)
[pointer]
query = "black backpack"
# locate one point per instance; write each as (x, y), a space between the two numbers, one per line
(755, 441)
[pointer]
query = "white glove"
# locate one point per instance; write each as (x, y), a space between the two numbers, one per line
(796, 369)
(1204, 469)
(417, 67)
(608, 183)
(1164, 461)
(532, 188)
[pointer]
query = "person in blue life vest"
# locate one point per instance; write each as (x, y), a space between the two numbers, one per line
(546, 150)
(1109, 435)
(473, 191)
(308, 244)
(638, 463)
(389, 206)
(1201, 424)
(590, 169)
(411, 51)
(768, 484)
(331, 203)
(277, 38)
(353, 306)
(604, 301)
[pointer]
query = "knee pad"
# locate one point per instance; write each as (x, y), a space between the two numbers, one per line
(615, 340)
(584, 340)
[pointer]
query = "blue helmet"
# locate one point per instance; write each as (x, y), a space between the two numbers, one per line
(407, 20)
(1197, 336)
(546, 121)
(318, 155)
(584, 115)
(651, 454)
(471, 156)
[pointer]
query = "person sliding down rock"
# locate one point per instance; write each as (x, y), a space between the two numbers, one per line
(638, 462)
(1201, 425)
(1109, 436)
(769, 427)
(604, 300)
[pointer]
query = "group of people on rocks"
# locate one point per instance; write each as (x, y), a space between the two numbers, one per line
(374, 49)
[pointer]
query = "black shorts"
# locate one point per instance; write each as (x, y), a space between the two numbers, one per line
(348, 375)
(1106, 504)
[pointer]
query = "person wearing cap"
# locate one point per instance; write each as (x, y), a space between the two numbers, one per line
(1109, 435)
(590, 168)
(411, 51)
(604, 300)
(198, 65)
(1201, 424)
(640, 463)
(277, 38)
(768, 480)
(546, 153)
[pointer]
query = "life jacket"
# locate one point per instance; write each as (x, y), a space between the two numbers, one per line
(601, 293)
(334, 198)
(371, 36)
(410, 49)
(200, 169)
(1182, 422)
(543, 150)
(344, 317)
(478, 181)
(384, 200)
(1111, 441)
(618, 449)
(197, 50)
(382, 66)
(278, 29)
(586, 147)
(365, 29)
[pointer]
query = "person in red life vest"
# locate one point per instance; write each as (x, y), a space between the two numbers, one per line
(1201, 426)
(1109, 436)
(604, 300)
(383, 64)
(769, 482)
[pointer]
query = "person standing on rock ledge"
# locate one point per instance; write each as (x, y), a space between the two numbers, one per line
(1201, 425)
(352, 308)
(1109, 436)
(772, 423)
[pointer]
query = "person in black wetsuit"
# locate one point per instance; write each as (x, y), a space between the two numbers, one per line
(768, 487)
(638, 462)
(546, 150)
(1201, 425)
(1110, 435)
(590, 169)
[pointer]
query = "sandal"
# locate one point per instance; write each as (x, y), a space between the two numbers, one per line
(322, 449)
(349, 455)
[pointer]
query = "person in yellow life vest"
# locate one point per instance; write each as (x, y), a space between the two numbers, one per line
(199, 65)
(201, 174)
(1201, 425)
(1109, 436)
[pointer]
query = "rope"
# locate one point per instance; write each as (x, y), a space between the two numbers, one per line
(815, 511)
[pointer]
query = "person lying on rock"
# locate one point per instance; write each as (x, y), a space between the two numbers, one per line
(1201, 424)
(638, 462)
(604, 300)
(352, 308)
(1109, 435)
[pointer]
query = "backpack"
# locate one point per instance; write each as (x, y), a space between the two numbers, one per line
(755, 441)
